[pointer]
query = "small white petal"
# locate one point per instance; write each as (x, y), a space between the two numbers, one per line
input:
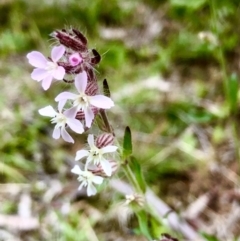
(106, 166)
(80, 154)
(58, 73)
(89, 116)
(75, 125)
(91, 190)
(101, 101)
(65, 96)
(81, 82)
(77, 170)
(107, 149)
(56, 133)
(97, 180)
(46, 82)
(39, 74)
(90, 141)
(57, 53)
(66, 137)
(37, 59)
(61, 105)
(47, 111)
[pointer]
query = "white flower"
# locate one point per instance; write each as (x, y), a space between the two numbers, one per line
(87, 179)
(95, 155)
(61, 119)
(82, 101)
(46, 69)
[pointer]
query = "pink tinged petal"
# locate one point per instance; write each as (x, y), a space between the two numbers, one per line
(66, 137)
(37, 59)
(47, 82)
(90, 141)
(57, 53)
(107, 168)
(39, 74)
(91, 190)
(101, 101)
(80, 154)
(77, 170)
(108, 149)
(75, 125)
(61, 105)
(56, 133)
(97, 180)
(71, 113)
(47, 111)
(66, 96)
(81, 82)
(89, 116)
(58, 73)
(75, 59)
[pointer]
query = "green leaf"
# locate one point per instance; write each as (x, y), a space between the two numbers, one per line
(127, 143)
(137, 170)
(106, 89)
(233, 92)
(143, 224)
(193, 4)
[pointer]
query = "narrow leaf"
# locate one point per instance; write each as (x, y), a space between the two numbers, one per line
(127, 143)
(143, 224)
(106, 89)
(137, 170)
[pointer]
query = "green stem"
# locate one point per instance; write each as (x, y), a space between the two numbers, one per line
(225, 82)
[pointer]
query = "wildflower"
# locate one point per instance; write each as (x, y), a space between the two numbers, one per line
(87, 179)
(95, 155)
(61, 119)
(84, 101)
(47, 69)
(75, 59)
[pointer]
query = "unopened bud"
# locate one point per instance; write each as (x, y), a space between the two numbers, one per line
(104, 140)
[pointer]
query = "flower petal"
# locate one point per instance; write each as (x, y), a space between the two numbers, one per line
(80, 154)
(81, 82)
(89, 116)
(61, 105)
(39, 74)
(66, 137)
(90, 141)
(75, 125)
(101, 101)
(56, 133)
(71, 113)
(65, 96)
(47, 111)
(47, 82)
(57, 53)
(58, 73)
(107, 168)
(97, 180)
(107, 149)
(77, 170)
(37, 59)
(91, 190)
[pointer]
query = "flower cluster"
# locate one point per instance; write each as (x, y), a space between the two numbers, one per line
(72, 62)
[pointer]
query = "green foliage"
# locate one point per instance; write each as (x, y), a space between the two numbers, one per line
(127, 143)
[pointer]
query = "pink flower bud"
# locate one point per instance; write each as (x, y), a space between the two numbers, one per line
(75, 59)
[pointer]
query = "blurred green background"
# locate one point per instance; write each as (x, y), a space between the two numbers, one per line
(173, 69)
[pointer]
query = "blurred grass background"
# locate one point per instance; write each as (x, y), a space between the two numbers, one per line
(173, 69)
